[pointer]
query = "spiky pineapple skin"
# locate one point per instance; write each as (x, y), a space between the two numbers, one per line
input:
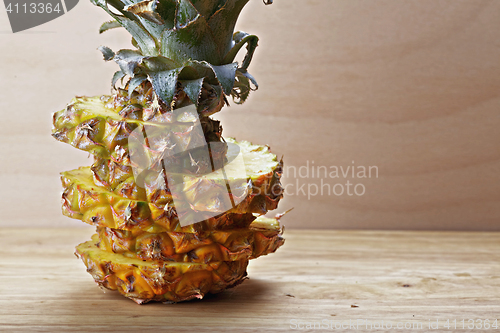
(260, 238)
(144, 281)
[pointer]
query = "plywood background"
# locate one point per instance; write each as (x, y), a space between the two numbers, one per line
(409, 87)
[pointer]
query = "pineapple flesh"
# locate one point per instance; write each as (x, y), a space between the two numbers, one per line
(160, 158)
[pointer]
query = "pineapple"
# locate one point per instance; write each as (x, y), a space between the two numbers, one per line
(161, 160)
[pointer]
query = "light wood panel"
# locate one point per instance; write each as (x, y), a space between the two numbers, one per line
(394, 277)
(411, 87)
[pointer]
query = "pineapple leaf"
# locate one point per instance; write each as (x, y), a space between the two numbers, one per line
(193, 41)
(158, 63)
(204, 69)
(242, 86)
(165, 84)
(119, 5)
(144, 40)
(185, 14)
(135, 82)
(249, 76)
(241, 94)
(107, 53)
(189, 73)
(226, 76)
(134, 43)
(167, 9)
(241, 38)
(222, 24)
(207, 8)
(146, 20)
(147, 10)
(192, 89)
(119, 75)
(241, 90)
(109, 25)
(128, 60)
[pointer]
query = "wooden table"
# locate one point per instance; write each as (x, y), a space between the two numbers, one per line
(325, 278)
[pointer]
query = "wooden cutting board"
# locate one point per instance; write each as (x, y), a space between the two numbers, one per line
(322, 278)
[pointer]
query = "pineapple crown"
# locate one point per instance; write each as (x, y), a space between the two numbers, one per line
(186, 42)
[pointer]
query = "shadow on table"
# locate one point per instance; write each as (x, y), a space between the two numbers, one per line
(248, 291)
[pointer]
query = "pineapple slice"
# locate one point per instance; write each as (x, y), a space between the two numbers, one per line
(262, 237)
(95, 125)
(138, 208)
(144, 281)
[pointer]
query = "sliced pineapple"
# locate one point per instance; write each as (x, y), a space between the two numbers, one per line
(159, 168)
(144, 281)
(262, 237)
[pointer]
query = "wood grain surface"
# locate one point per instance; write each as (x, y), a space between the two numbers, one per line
(409, 87)
(316, 277)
